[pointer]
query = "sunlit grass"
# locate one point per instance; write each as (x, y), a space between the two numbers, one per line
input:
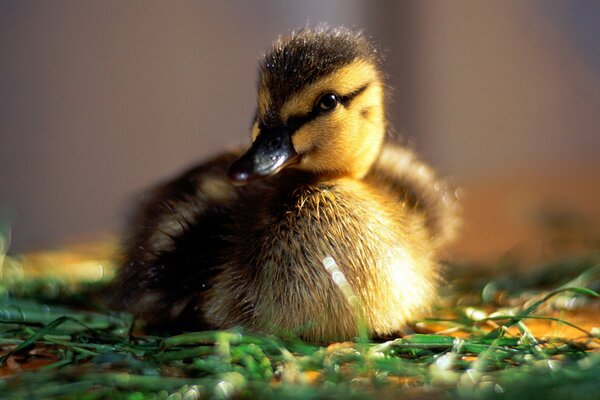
(506, 336)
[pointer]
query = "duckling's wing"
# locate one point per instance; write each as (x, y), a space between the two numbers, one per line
(175, 244)
(412, 182)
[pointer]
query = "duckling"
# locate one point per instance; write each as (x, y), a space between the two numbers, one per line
(250, 238)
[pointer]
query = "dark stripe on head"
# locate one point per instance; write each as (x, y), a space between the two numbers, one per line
(296, 122)
(304, 56)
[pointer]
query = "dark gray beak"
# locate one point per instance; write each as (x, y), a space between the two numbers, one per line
(270, 153)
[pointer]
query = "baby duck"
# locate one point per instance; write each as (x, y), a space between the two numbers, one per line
(251, 239)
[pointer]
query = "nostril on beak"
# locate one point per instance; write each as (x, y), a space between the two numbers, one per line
(275, 142)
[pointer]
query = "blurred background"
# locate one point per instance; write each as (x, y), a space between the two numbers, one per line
(101, 99)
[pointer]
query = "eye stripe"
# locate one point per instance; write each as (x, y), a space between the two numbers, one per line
(296, 122)
(345, 100)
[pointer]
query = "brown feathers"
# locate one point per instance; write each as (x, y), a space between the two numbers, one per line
(203, 253)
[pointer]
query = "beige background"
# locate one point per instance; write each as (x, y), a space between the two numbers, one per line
(98, 100)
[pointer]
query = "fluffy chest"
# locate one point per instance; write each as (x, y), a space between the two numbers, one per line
(279, 277)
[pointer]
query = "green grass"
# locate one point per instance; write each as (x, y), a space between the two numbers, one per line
(58, 342)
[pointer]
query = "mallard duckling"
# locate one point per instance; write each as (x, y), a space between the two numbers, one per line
(245, 239)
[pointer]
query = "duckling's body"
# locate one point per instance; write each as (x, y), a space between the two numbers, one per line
(318, 185)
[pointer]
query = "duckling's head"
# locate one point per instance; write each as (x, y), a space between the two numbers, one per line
(320, 107)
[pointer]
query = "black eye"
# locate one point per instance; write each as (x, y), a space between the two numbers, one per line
(327, 102)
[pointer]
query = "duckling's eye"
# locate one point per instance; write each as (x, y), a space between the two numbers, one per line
(327, 102)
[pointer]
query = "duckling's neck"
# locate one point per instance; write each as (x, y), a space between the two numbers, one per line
(294, 177)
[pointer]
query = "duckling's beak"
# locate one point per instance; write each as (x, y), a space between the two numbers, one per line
(270, 153)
